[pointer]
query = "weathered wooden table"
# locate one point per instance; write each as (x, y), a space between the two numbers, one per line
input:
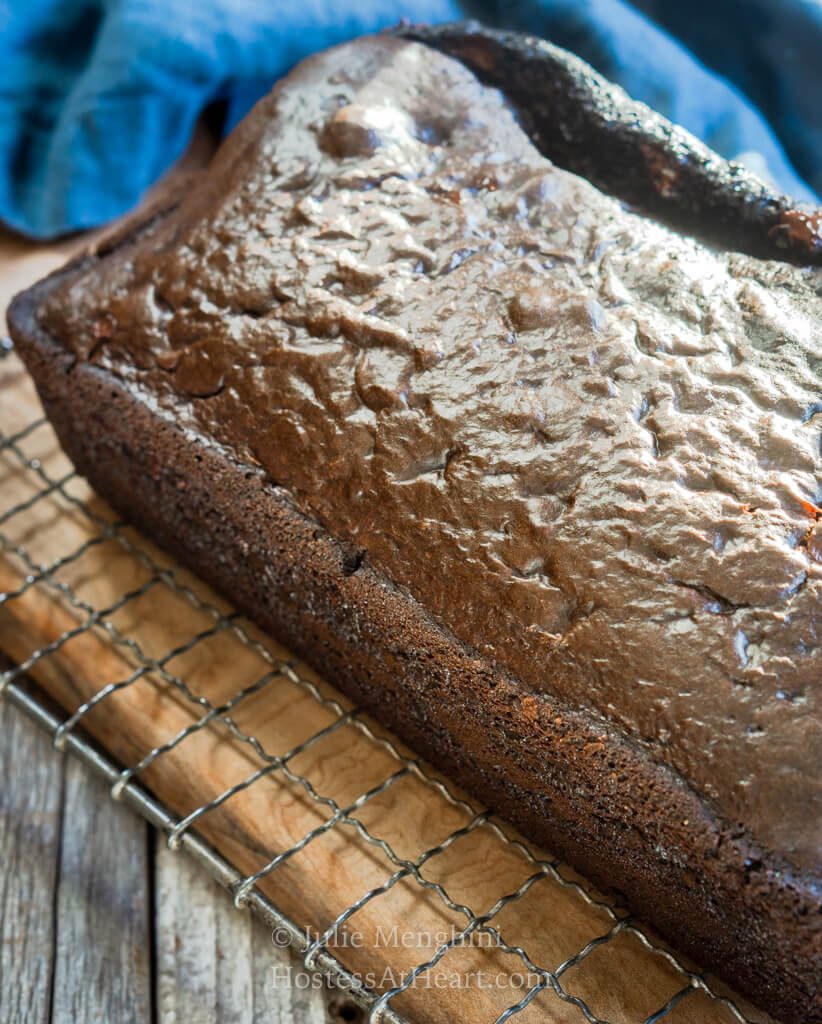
(99, 922)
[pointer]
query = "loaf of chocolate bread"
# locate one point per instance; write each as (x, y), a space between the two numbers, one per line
(531, 476)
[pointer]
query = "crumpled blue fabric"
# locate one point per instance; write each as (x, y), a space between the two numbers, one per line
(772, 54)
(99, 97)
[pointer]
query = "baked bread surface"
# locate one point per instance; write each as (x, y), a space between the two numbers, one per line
(567, 461)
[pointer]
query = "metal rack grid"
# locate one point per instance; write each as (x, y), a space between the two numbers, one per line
(68, 734)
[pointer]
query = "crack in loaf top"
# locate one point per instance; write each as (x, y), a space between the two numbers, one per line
(588, 445)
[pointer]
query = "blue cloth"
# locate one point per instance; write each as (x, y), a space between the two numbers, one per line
(99, 97)
(772, 54)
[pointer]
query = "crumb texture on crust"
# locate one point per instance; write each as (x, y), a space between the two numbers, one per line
(588, 445)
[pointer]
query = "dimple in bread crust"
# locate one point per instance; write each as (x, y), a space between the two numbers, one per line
(569, 458)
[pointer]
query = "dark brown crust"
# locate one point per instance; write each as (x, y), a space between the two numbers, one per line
(587, 125)
(566, 780)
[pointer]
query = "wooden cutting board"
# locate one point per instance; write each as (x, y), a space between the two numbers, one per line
(167, 716)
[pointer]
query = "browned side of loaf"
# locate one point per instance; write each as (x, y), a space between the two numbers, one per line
(563, 777)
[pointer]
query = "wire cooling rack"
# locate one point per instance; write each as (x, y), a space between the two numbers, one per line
(38, 490)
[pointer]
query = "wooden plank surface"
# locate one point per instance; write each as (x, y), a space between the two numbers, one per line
(215, 967)
(102, 949)
(31, 791)
(101, 924)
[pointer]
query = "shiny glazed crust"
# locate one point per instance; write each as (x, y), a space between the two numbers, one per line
(569, 783)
